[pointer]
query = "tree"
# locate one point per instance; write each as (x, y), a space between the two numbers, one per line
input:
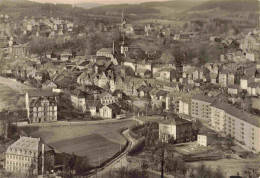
(205, 172)
(167, 57)
(250, 171)
(81, 165)
(148, 74)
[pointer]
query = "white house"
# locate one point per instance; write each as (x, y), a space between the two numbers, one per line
(202, 140)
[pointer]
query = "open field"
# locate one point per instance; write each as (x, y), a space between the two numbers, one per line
(92, 140)
(95, 147)
(230, 166)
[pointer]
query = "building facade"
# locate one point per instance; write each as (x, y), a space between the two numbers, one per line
(22, 156)
(178, 129)
(200, 107)
(41, 106)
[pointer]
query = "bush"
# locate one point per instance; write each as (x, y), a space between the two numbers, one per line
(138, 147)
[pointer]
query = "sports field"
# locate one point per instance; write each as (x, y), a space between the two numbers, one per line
(96, 141)
(95, 147)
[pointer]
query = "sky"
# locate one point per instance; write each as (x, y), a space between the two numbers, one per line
(95, 1)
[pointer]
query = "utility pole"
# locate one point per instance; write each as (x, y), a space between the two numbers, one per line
(162, 160)
(43, 160)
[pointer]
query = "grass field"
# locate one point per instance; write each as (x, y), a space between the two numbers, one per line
(95, 147)
(91, 140)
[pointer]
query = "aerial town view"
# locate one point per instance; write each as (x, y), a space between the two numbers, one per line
(130, 88)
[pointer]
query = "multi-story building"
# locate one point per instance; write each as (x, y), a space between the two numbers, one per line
(224, 118)
(200, 107)
(107, 98)
(184, 106)
(41, 106)
(226, 78)
(179, 129)
(22, 156)
(217, 117)
(78, 100)
(244, 127)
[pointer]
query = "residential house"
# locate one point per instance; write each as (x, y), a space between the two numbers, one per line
(107, 98)
(94, 108)
(85, 79)
(214, 78)
(80, 99)
(110, 111)
(233, 89)
(117, 84)
(142, 67)
(253, 88)
(198, 74)
(106, 52)
(166, 74)
(245, 80)
(178, 129)
(226, 78)
(206, 139)
(48, 84)
(158, 98)
(41, 106)
(144, 91)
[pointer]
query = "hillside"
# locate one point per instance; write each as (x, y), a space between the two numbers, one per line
(20, 8)
(147, 7)
(229, 5)
(88, 5)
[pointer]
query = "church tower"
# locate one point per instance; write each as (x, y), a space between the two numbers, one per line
(123, 19)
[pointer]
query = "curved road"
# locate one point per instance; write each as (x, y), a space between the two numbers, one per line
(117, 162)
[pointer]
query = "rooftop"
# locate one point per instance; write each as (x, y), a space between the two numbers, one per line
(24, 143)
(175, 121)
(39, 93)
(203, 98)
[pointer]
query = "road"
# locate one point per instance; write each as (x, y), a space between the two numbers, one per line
(120, 161)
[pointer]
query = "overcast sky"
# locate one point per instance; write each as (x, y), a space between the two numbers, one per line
(96, 1)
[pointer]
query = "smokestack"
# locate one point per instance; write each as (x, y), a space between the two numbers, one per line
(42, 159)
(113, 47)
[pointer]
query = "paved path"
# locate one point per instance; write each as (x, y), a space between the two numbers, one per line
(71, 123)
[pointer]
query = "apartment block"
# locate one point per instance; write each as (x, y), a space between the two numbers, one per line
(200, 107)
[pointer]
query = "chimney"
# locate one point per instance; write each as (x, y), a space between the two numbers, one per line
(113, 47)
(43, 160)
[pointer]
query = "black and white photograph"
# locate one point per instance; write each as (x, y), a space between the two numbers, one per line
(129, 88)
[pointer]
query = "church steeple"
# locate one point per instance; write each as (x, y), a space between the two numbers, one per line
(123, 18)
